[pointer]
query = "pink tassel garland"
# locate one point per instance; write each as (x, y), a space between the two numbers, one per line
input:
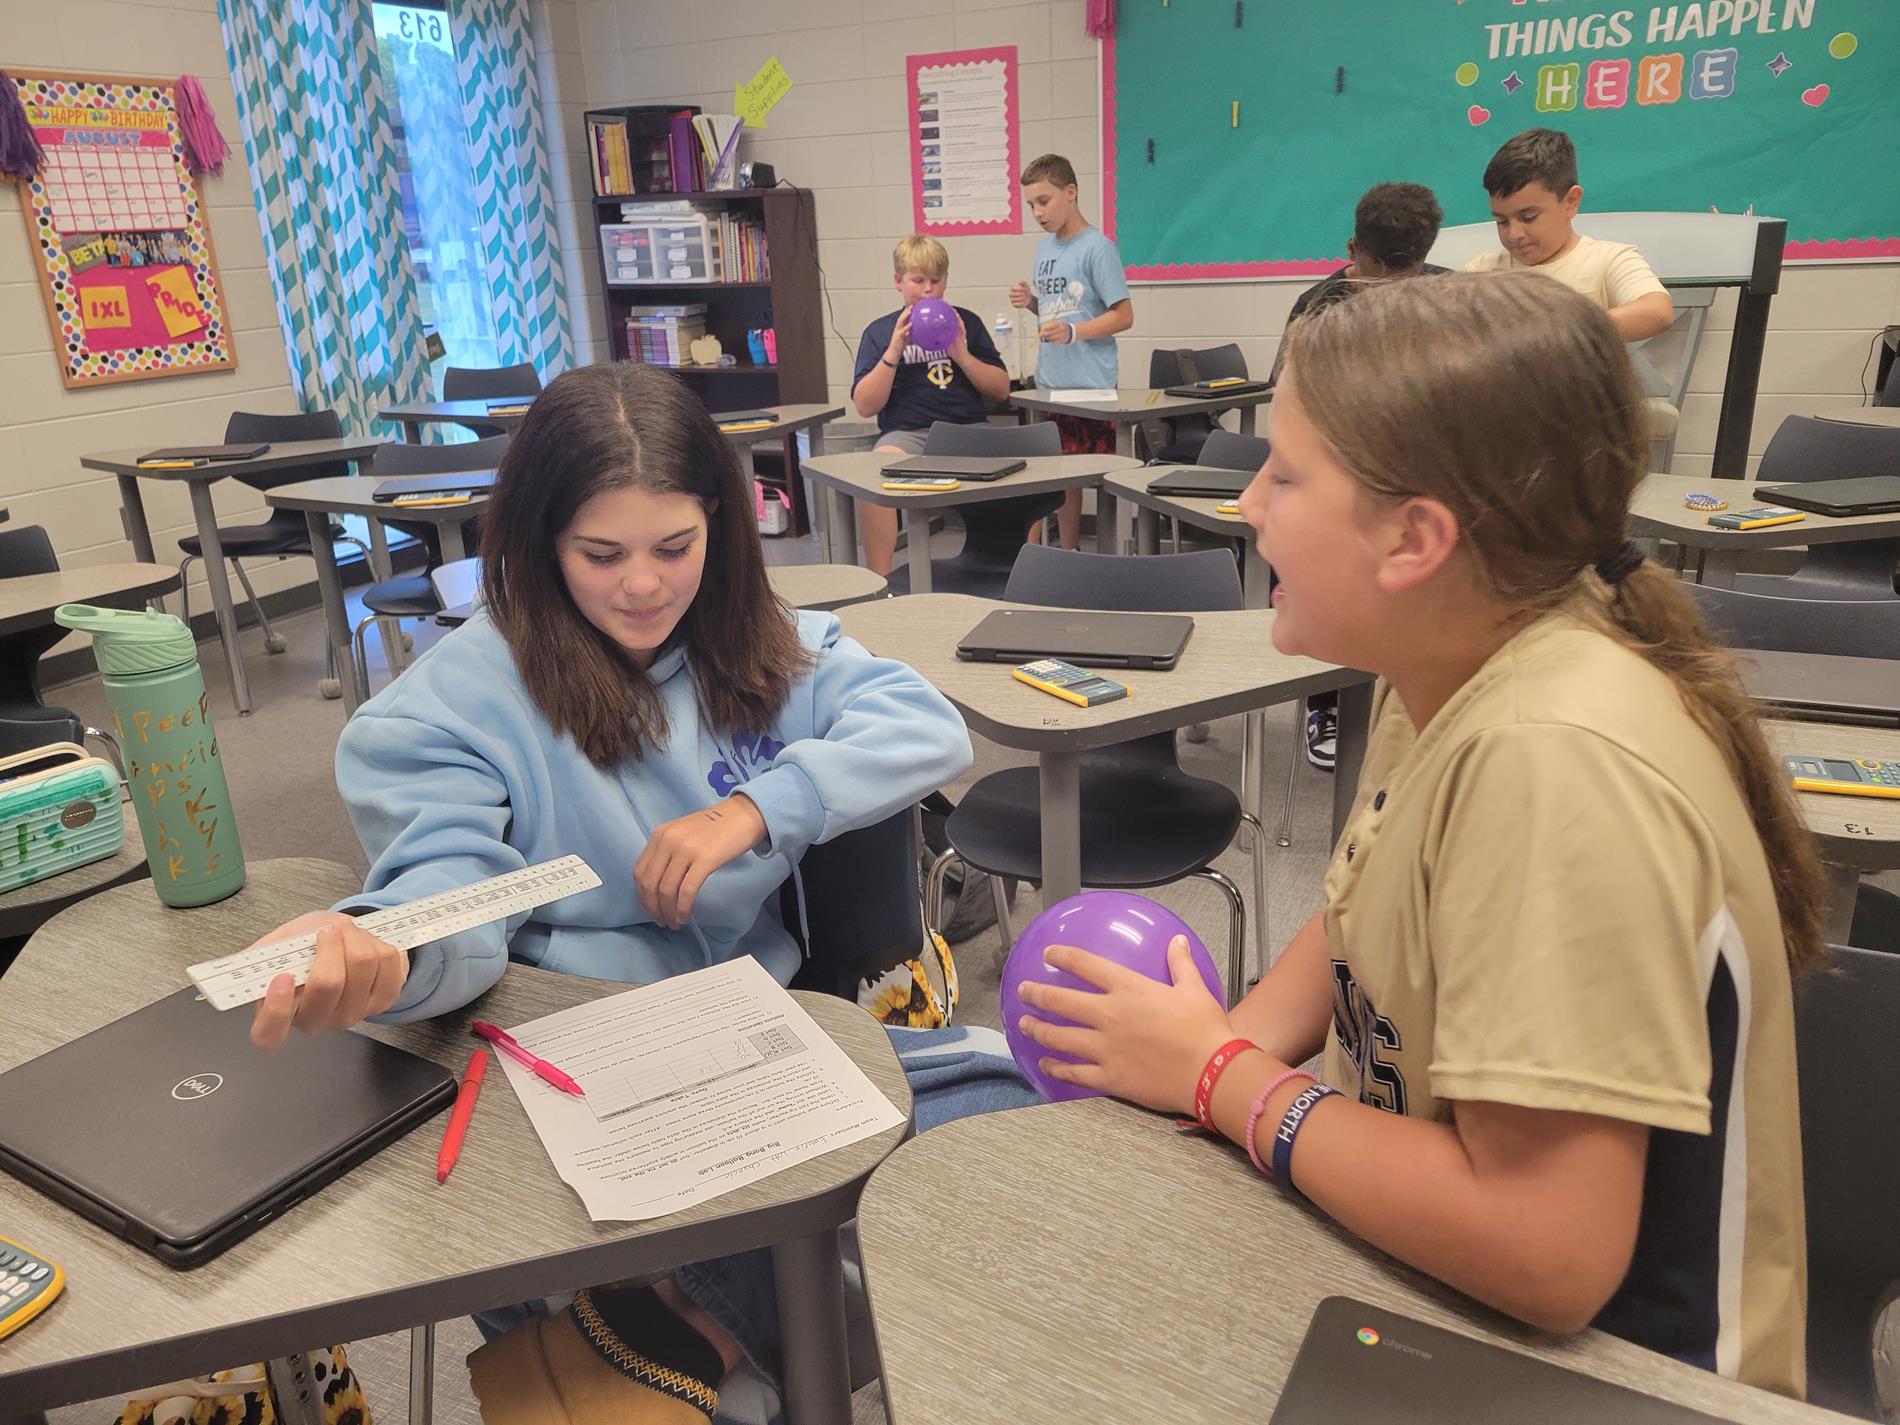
(1101, 19)
(20, 152)
(205, 148)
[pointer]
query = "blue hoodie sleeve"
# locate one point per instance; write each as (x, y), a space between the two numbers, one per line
(432, 815)
(882, 738)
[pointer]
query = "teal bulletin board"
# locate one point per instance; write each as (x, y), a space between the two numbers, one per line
(1785, 106)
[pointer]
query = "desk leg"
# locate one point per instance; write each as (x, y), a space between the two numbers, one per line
(412, 432)
(421, 1374)
(1256, 577)
(1355, 726)
(1247, 415)
(1719, 567)
(843, 520)
(1147, 531)
(453, 546)
(1107, 522)
(335, 613)
(379, 562)
(1061, 826)
(810, 1276)
(132, 520)
(917, 551)
(1837, 913)
(298, 1396)
(1125, 437)
(217, 578)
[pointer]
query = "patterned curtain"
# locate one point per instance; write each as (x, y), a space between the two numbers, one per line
(318, 141)
(501, 104)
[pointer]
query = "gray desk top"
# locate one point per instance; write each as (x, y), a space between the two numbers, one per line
(1888, 416)
(1138, 403)
(791, 420)
(1089, 1261)
(24, 910)
(384, 1247)
(29, 600)
(1229, 666)
(458, 412)
(356, 495)
(823, 586)
(861, 474)
(283, 454)
(1201, 513)
(1657, 511)
(1815, 684)
(1862, 832)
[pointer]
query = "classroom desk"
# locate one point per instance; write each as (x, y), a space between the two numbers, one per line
(1657, 512)
(28, 600)
(282, 455)
(803, 586)
(1853, 834)
(413, 415)
(1888, 416)
(354, 495)
(1228, 667)
(1824, 687)
(1133, 405)
(1256, 579)
(859, 475)
(384, 1248)
(1090, 1261)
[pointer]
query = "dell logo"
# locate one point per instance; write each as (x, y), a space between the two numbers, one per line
(197, 1086)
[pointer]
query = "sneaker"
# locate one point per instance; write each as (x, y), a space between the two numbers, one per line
(1322, 737)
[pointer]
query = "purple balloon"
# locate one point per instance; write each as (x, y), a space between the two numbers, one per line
(933, 324)
(1131, 930)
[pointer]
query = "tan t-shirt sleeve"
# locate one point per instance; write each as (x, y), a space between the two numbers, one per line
(1485, 262)
(1568, 889)
(1628, 277)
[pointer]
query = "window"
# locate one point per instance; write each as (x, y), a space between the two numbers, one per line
(439, 215)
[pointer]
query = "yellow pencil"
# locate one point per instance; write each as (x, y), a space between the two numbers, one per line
(1236, 113)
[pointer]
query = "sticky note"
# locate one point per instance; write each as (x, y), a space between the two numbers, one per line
(105, 308)
(177, 301)
(754, 99)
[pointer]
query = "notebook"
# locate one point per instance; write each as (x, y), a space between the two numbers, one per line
(1218, 386)
(963, 467)
(206, 452)
(170, 1129)
(1362, 1362)
(1868, 495)
(1201, 482)
(1085, 638)
(459, 482)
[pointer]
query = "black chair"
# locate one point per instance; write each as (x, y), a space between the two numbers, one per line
(1806, 449)
(1224, 450)
(413, 595)
(283, 535)
(1853, 628)
(860, 903)
(1178, 440)
(26, 721)
(1890, 388)
(488, 383)
(1182, 823)
(1847, 1033)
(993, 530)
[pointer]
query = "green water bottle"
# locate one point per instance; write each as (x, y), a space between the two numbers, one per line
(162, 718)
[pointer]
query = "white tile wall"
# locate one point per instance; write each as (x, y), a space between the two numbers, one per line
(840, 132)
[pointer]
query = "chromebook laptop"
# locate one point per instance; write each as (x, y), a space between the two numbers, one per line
(1090, 640)
(170, 1129)
(1202, 481)
(1867, 495)
(961, 467)
(1364, 1363)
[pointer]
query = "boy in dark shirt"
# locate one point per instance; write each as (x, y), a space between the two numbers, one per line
(908, 388)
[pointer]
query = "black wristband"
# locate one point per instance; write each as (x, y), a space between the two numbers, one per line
(888, 362)
(637, 1334)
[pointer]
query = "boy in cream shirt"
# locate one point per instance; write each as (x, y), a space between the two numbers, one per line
(1534, 192)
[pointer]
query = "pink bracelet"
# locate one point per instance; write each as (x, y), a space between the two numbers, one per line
(1260, 1107)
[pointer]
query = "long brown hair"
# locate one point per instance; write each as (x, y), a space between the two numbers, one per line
(1512, 401)
(601, 428)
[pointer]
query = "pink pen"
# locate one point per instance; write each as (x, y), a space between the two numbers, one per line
(505, 1042)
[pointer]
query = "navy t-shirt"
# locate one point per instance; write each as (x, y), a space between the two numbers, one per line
(927, 385)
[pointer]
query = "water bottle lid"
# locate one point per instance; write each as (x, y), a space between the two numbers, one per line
(129, 641)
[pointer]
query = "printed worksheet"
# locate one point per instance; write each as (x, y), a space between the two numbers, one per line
(692, 1087)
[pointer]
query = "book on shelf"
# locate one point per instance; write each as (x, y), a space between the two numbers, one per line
(664, 336)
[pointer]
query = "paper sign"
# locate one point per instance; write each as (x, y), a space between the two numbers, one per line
(754, 99)
(105, 307)
(177, 301)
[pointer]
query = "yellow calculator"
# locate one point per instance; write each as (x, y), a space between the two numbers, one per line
(28, 1284)
(1227, 507)
(1858, 777)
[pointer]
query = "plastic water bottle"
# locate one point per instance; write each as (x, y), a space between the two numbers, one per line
(1003, 332)
(149, 666)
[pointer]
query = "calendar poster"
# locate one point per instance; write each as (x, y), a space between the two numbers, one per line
(121, 238)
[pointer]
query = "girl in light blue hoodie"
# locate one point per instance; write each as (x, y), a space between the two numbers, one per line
(632, 693)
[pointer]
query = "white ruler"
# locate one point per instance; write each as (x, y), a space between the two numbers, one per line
(232, 980)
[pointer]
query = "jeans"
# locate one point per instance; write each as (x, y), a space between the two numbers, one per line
(953, 1073)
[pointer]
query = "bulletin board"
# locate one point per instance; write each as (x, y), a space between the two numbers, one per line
(964, 142)
(119, 233)
(1238, 134)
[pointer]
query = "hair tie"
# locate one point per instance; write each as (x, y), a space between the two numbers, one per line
(1615, 567)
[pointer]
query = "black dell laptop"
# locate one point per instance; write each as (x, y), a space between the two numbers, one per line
(980, 468)
(460, 482)
(1364, 1363)
(1201, 482)
(1089, 640)
(170, 1129)
(1868, 495)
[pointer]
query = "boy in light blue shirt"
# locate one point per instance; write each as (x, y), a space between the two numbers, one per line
(1081, 296)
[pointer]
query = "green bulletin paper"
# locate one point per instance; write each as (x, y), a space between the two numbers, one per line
(1787, 106)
